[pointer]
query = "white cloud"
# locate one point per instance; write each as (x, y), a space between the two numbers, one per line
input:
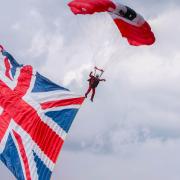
(152, 160)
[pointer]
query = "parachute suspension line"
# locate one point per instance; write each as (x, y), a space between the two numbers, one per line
(100, 50)
(95, 52)
(89, 45)
(101, 47)
(115, 59)
(115, 40)
(95, 71)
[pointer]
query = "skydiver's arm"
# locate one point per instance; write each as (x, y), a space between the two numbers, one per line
(102, 80)
(90, 75)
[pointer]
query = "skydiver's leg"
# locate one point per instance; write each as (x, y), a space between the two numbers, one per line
(93, 93)
(88, 91)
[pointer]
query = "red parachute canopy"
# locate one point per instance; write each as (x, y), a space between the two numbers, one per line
(131, 24)
(90, 6)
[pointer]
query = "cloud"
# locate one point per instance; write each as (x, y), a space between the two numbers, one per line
(152, 160)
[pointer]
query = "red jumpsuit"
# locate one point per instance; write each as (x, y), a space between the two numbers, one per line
(93, 83)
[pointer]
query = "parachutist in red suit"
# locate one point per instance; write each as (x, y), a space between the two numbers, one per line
(93, 83)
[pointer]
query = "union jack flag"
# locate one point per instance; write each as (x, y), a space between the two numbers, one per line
(35, 116)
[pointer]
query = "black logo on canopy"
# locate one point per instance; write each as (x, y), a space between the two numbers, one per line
(130, 14)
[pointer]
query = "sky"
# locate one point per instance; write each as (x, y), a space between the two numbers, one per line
(132, 130)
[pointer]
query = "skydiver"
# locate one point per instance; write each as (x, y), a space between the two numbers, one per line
(93, 83)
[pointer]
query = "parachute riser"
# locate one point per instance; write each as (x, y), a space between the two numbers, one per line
(95, 71)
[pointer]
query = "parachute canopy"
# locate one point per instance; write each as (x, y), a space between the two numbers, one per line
(90, 6)
(131, 24)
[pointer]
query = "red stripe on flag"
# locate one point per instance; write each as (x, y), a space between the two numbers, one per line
(8, 68)
(23, 155)
(64, 102)
(4, 124)
(26, 116)
(24, 81)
